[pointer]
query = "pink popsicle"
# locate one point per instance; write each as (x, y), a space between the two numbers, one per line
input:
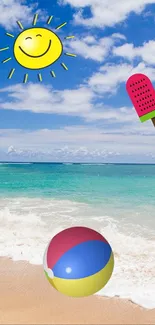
(142, 95)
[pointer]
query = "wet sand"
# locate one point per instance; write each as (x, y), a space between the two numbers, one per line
(26, 297)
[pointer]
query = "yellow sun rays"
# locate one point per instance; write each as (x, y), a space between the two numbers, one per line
(25, 78)
(20, 25)
(39, 75)
(53, 74)
(64, 66)
(60, 26)
(69, 37)
(4, 49)
(11, 73)
(35, 19)
(10, 35)
(49, 20)
(6, 60)
(71, 54)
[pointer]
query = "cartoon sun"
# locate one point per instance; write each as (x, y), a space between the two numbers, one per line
(36, 48)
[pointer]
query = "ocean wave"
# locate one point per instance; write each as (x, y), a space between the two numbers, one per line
(15, 163)
(27, 225)
(67, 164)
(92, 164)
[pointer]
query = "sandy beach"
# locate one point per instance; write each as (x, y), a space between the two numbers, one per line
(28, 298)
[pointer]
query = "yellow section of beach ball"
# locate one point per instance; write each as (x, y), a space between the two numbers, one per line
(85, 286)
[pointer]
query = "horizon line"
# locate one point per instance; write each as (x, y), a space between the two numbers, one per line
(75, 163)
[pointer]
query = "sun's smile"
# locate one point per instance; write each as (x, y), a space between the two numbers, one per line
(37, 56)
(36, 48)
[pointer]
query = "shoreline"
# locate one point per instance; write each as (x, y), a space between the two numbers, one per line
(28, 298)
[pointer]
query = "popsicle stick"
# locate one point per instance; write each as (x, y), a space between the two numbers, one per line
(153, 121)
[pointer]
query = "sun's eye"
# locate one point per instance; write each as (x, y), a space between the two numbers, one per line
(39, 35)
(28, 38)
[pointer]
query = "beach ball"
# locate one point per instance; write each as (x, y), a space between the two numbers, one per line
(78, 262)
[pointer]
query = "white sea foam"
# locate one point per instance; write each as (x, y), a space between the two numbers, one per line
(92, 164)
(68, 164)
(15, 163)
(27, 225)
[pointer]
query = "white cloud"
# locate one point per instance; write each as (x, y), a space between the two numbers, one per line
(145, 52)
(61, 154)
(44, 99)
(85, 143)
(106, 12)
(110, 76)
(110, 115)
(126, 51)
(13, 10)
(86, 102)
(119, 36)
(90, 47)
(77, 102)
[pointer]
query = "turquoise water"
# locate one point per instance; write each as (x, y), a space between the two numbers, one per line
(38, 200)
(85, 183)
(113, 187)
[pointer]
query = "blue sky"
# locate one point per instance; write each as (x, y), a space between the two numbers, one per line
(84, 114)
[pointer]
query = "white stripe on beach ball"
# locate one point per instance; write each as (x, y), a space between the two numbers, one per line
(50, 273)
(45, 259)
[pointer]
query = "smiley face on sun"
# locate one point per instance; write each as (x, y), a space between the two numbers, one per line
(37, 48)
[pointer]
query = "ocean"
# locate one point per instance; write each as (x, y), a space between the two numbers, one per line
(39, 200)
